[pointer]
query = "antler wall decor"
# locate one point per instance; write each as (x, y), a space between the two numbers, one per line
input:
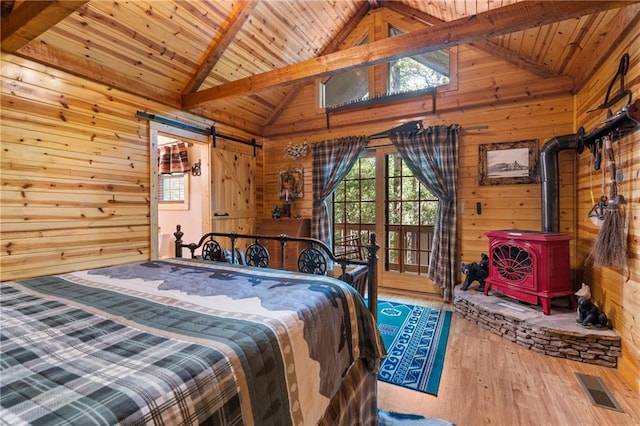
(296, 151)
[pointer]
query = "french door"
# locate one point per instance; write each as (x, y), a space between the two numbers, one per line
(381, 195)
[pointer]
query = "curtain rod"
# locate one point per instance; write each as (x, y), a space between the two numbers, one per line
(209, 132)
(417, 125)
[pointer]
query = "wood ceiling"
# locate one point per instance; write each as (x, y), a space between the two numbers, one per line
(240, 62)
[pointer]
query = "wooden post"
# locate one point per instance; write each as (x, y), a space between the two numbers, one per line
(283, 244)
(178, 234)
(372, 262)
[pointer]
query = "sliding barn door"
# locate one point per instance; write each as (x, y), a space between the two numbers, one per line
(233, 192)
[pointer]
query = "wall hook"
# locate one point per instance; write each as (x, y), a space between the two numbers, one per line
(196, 169)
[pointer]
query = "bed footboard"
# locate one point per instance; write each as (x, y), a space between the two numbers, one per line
(362, 274)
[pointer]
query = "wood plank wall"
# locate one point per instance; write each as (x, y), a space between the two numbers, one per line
(489, 93)
(75, 172)
(617, 291)
(539, 117)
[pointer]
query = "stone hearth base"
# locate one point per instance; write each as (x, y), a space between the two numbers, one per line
(556, 335)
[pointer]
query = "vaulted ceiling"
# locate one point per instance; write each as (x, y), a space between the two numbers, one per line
(240, 62)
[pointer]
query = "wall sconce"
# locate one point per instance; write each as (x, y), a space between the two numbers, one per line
(196, 169)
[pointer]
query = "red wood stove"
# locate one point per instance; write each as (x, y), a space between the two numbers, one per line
(530, 266)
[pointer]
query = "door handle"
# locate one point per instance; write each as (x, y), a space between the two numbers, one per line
(220, 214)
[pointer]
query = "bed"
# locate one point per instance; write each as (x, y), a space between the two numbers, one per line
(188, 341)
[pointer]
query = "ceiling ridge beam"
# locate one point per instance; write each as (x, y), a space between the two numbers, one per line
(236, 19)
(505, 20)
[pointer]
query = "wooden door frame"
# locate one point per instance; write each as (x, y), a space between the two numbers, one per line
(154, 130)
(394, 280)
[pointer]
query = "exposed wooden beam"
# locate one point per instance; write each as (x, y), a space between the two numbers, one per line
(236, 19)
(32, 18)
(82, 67)
(331, 47)
(514, 17)
(484, 45)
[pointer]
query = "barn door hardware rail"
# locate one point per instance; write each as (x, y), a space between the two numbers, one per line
(251, 143)
(209, 131)
(158, 119)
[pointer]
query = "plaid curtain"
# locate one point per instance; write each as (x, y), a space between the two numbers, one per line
(432, 155)
(331, 160)
(173, 158)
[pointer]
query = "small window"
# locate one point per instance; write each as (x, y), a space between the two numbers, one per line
(418, 72)
(173, 188)
(411, 74)
(347, 86)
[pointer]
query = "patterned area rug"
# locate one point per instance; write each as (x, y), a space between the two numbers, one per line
(389, 418)
(416, 341)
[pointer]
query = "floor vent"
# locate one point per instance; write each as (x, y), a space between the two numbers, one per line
(597, 392)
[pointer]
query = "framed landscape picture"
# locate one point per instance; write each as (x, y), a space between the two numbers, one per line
(509, 163)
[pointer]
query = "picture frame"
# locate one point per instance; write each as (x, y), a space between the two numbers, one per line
(291, 184)
(509, 163)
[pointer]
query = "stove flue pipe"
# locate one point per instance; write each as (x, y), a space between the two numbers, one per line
(550, 180)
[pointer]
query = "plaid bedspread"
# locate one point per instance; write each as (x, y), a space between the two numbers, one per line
(178, 342)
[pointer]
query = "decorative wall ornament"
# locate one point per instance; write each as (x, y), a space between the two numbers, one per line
(196, 169)
(296, 151)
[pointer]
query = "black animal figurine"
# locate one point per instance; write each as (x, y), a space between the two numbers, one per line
(589, 315)
(476, 272)
(276, 212)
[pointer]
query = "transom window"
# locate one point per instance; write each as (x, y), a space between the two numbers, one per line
(418, 72)
(346, 86)
(407, 75)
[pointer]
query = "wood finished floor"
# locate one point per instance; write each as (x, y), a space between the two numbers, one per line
(488, 380)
